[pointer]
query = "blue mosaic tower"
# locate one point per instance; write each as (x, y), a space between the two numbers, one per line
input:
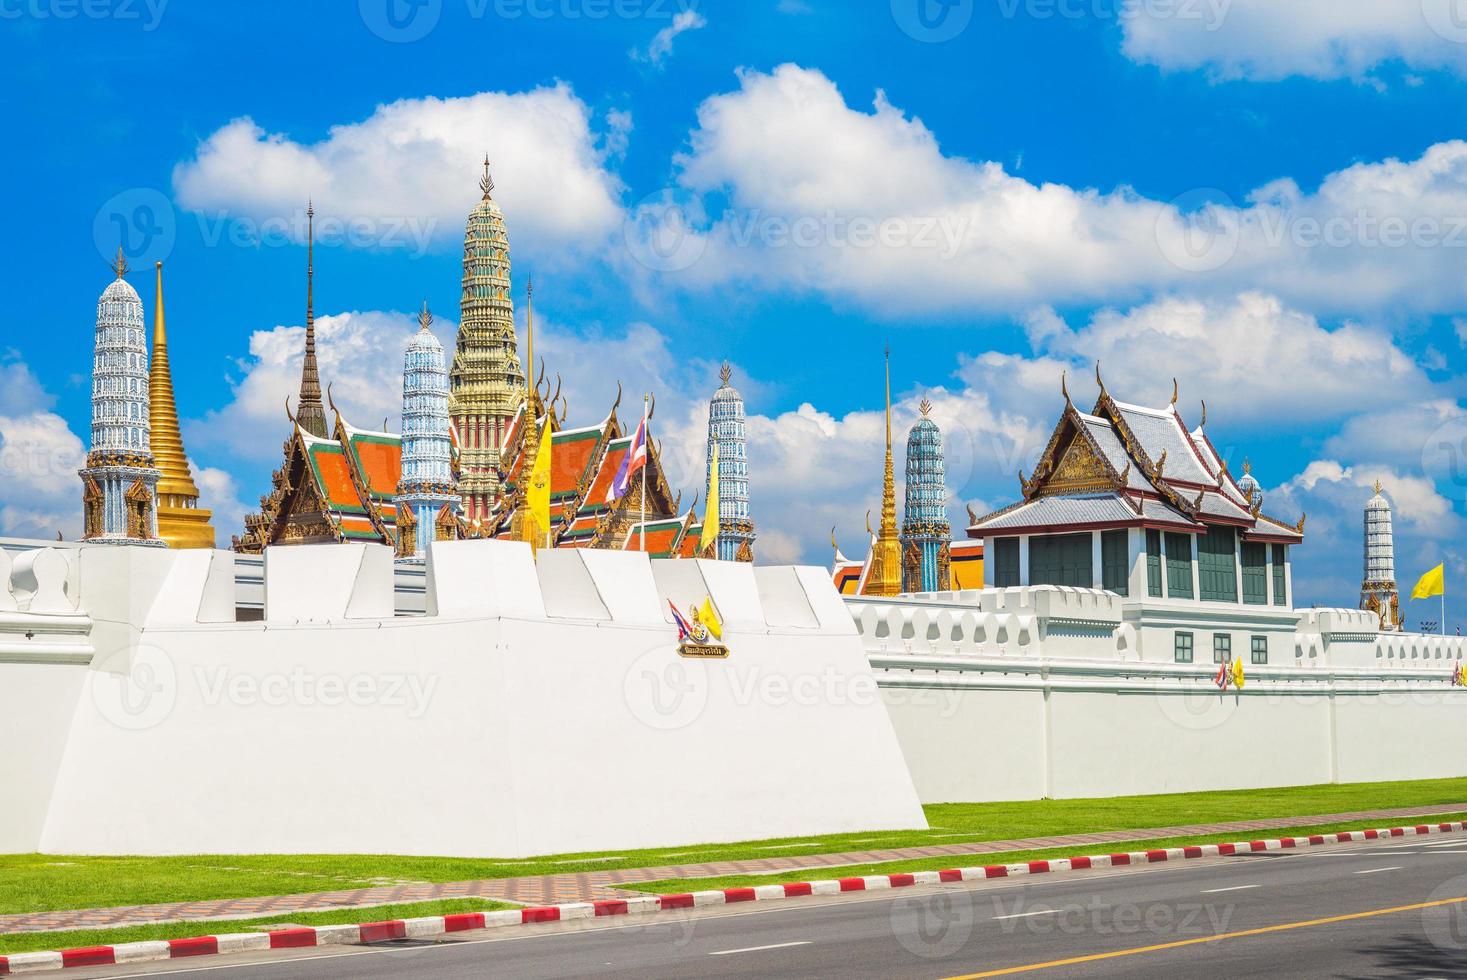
(726, 430)
(428, 497)
(120, 482)
(926, 534)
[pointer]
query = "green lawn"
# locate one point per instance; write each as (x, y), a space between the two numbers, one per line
(35, 883)
(673, 886)
(31, 942)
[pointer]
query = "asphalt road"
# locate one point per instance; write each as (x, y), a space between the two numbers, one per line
(1353, 910)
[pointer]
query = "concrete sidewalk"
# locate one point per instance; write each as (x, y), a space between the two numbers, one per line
(593, 885)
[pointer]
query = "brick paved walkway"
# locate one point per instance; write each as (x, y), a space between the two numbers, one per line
(586, 886)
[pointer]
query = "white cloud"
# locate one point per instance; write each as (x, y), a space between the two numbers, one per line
(39, 460)
(360, 357)
(408, 172)
(865, 208)
(1266, 40)
(659, 49)
(219, 492)
(20, 391)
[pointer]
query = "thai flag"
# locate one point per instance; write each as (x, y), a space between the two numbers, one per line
(1222, 677)
(684, 631)
(636, 459)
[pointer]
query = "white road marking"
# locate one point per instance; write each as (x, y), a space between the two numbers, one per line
(1235, 888)
(1025, 915)
(1371, 871)
(760, 949)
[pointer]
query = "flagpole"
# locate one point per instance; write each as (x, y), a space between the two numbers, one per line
(645, 461)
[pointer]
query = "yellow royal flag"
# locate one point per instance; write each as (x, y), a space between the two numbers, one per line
(710, 518)
(708, 616)
(537, 494)
(1433, 583)
(1238, 677)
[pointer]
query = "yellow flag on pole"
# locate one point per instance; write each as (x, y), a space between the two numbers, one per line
(1433, 583)
(1238, 677)
(537, 495)
(708, 616)
(710, 518)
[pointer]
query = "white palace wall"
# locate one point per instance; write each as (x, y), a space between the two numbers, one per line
(1011, 694)
(536, 707)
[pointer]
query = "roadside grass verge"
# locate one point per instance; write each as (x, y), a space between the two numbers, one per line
(675, 886)
(42, 883)
(33, 942)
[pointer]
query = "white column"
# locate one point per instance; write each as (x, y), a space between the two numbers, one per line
(1196, 577)
(1024, 560)
(1136, 539)
(1097, 557)
(1166, 585)
(1238, 566)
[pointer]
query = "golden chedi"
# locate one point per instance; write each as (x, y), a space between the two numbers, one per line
(180, 521)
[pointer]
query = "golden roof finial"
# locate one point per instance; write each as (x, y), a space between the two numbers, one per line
(1065, 385)
(119, 265)
(425, 319)
(1176, 392)
(724, 373)
(1247, 466)
(486, 183)
(1098, 379)
(1204, 412)
(1378, 488)
(925, 407)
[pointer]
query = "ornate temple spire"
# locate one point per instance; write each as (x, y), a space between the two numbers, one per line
(119, 483)
(486, 382)
(926, 534)
(886, 553)
(180, 521)
(1378, 591)
(311, 413)
(726, 430)
(427, 495)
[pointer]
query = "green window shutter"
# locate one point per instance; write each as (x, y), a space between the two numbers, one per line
(1114, 568)
(1280, 587)
(1260, 649)
(1006, 563)
(1216, 568)
(1255, 573)
(1062, 559)
(1183, 647)
(1178, 566)
(1153, 564)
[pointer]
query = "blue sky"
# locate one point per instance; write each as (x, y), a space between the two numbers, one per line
(1266, 201)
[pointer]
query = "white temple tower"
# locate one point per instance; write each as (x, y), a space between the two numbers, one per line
(1379, 593)
(120, 482)
(726, 431)
(427, 494)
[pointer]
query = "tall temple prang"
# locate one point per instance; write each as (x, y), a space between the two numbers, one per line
(926, 534)
(885, 575)
(487, 385)
(427, 494)
(120, 483)
(310, 413)
(726, 431)
(1378, 592)
(181, 522)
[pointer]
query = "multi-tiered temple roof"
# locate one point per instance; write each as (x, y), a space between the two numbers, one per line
(1124, 465)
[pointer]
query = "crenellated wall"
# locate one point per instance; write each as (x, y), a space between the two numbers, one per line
(1058, 692)
(535, 707)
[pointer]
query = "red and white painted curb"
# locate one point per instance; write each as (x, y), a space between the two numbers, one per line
(440, 925)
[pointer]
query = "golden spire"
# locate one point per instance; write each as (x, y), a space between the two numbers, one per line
(425, 319)
(486, 183)
(885, 578)
(119, 264)
(724, 373)
(180, 521)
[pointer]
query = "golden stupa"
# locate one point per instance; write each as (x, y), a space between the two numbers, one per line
(886, 551)
(180, 521)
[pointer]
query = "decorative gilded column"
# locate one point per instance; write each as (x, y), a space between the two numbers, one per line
(180, 521)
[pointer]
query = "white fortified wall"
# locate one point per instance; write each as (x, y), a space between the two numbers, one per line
(1043, 691)
(537, 707)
